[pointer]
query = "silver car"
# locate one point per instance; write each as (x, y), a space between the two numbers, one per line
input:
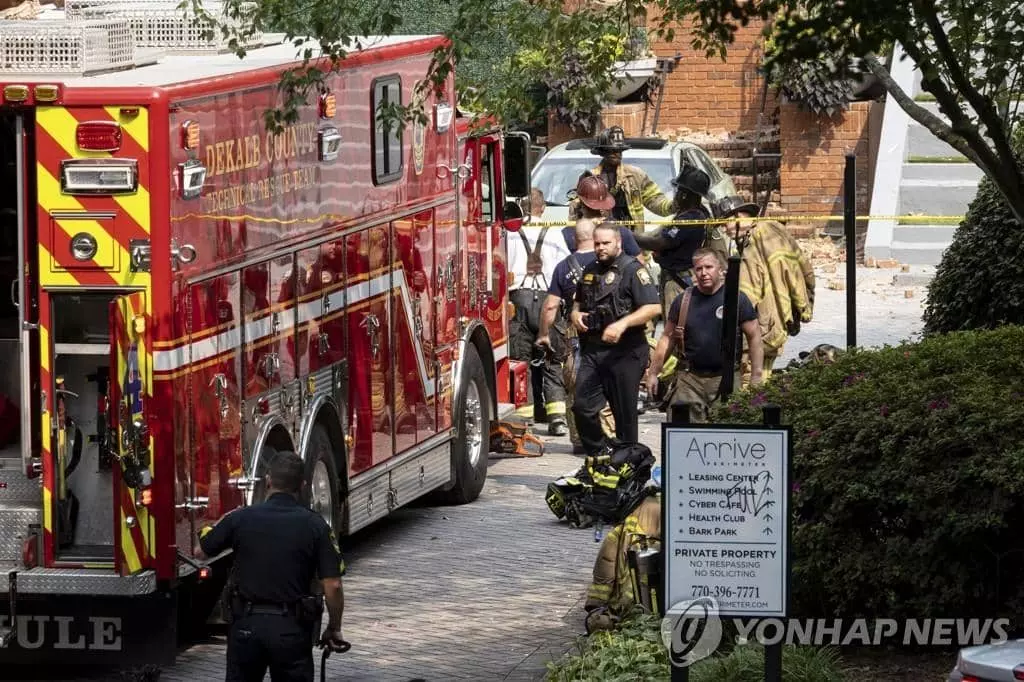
(558, 171)
(1000, 662)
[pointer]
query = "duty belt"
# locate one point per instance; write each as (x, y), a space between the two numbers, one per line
(270, 609)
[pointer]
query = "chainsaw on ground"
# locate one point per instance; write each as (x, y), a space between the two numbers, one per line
(513, 438)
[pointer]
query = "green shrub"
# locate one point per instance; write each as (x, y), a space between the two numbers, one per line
(908, 477)
(635, 653)
(978, 283)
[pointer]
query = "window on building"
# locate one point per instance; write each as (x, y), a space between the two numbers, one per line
(387, 137)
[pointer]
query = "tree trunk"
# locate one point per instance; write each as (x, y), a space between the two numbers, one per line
(1004, 174)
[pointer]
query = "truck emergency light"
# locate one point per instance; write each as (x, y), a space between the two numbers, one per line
(330, 143)
(328, 105)
(443, 115)
(99, 176)
(98, 136)
(190, 135)
(16, 93)
(47, 93)
(191, 176)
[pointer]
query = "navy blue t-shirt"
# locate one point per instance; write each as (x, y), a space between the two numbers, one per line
(684, 240)
(629, 245)
(704, 327)
(562, 284)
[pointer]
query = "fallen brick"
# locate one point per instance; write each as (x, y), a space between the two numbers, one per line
(828, 268)
(908, 293)
(870, 262)
(837, 285)
(904, 268)
(888, 263)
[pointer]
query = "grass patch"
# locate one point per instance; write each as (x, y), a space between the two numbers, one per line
(951, 220)
(938, 159)
(924, 97)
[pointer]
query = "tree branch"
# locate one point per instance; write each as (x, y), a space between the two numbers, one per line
(984, 107)
(926, 118)
(1005, 174)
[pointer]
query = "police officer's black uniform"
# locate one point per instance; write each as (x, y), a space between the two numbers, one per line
(611, 372)
(279, 547)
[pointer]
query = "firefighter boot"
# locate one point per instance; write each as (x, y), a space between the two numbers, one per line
(557, 425)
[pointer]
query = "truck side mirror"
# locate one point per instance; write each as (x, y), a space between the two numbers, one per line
(512, 216)
(517, 165)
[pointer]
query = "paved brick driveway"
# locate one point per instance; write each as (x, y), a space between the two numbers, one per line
(494, 589)
(486, 591)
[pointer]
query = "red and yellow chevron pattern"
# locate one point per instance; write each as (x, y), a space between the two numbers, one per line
(56, 128)
(114, 221)
(134, 391)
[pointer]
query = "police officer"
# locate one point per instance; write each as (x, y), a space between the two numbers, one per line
(615, 299)
(595, 200)
(279, 546)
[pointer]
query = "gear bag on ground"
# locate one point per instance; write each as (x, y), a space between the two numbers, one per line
(605, 489)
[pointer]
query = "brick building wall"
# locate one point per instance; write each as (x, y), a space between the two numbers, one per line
(814, 152)
(708, 94)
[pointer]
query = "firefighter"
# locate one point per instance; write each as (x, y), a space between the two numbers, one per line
(580, 209)
(612, 592)
(775, 275)
(531, 266)
(631, 187)
(693, 330)
(279, 546)
(595, 201)
(615, 300)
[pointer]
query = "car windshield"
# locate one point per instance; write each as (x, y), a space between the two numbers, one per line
(556, 177)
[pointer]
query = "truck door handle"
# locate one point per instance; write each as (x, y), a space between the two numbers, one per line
(372, 326)
(220, 387)
(14, 294)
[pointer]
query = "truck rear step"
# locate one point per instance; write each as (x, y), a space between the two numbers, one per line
(21, 507)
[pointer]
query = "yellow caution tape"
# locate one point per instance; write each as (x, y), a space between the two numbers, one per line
(779, 219)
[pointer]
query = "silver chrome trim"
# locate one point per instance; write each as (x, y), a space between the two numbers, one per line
(309, 420)
(25, 357)
(63, 214)
(254, 453)
(95, 581)
(463, 344)
(395, 462)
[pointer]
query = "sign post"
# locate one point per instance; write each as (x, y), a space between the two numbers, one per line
(725, 524)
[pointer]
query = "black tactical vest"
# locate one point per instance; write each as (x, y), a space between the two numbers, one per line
(605, 294)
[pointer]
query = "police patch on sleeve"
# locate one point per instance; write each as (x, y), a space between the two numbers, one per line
(643, 275)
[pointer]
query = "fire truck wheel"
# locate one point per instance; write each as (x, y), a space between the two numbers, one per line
(322, 475)
(472, 421)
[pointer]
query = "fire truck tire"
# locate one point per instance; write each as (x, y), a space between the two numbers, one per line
(472, 423)
(322, 475)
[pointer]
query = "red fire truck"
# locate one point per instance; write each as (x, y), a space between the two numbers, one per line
(191, 293)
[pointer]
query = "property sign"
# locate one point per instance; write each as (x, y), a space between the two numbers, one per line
(726, 517)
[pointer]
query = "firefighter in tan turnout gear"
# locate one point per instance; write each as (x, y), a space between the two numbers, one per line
(616, 587)
(631, 188)
(775, 275)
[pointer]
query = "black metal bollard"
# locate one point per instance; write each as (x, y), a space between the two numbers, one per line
(850, 231)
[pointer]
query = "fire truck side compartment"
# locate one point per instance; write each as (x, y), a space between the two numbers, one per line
(81, 351)
(10, 375)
